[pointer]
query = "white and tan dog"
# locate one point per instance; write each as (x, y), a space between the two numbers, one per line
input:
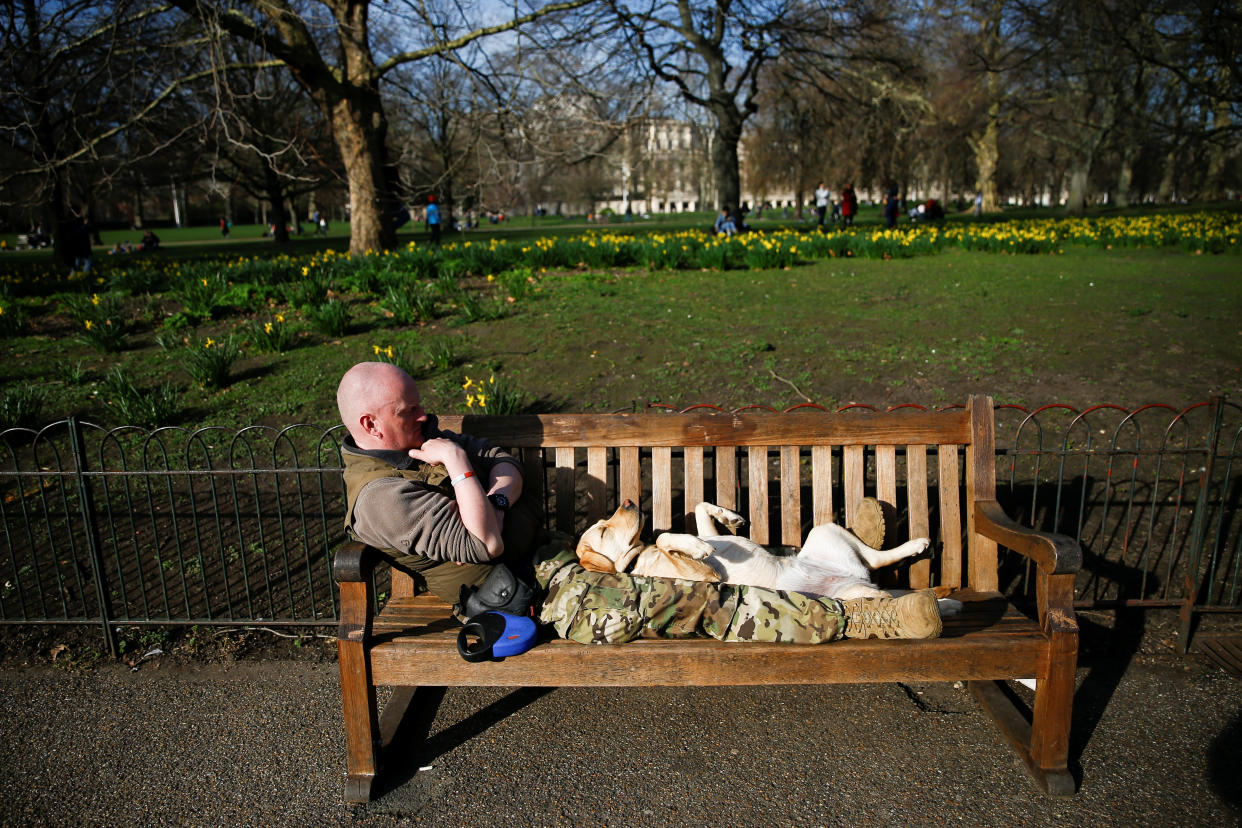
(833, 561)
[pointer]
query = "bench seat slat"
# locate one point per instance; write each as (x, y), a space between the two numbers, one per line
(990, 639)
(711, 663)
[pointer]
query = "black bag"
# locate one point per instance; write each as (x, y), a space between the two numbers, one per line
(500, 591)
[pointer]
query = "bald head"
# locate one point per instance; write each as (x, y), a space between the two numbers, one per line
(380, 405)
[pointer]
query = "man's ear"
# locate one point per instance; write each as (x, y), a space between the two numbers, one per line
(592, 561)
(368, 424)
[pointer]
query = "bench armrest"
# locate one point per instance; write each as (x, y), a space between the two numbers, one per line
(1055, 554)
(354, 561)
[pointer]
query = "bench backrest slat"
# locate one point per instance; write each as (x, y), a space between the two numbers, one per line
(950, 516)
(784, 472)
(807, 428)
(920, 518)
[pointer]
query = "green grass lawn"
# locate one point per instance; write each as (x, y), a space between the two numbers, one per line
(1088, 326)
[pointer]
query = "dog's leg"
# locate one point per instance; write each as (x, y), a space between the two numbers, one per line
(687, 545)
(824, 538)
(877, 558)
(708, 515)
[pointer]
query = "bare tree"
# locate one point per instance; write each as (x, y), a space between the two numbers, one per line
(78, 76)
(330, 48)
(268, 140)
(715, 53)
(990, 47)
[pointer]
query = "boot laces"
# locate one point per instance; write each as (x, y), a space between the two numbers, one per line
(876, 616)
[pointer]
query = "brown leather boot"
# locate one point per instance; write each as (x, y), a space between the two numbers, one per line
(914, 615)
(868, 522)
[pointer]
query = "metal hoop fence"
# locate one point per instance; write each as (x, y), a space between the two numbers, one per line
(173, 526)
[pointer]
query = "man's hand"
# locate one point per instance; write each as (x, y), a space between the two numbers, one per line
(440, 452)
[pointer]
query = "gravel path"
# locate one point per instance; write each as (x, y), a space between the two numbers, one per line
(260, 743)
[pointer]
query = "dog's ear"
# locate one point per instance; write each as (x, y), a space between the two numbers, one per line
(592, 561)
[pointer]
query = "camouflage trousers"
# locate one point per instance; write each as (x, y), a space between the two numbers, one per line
(605, 607)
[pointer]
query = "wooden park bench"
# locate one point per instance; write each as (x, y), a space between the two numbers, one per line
(935, 473)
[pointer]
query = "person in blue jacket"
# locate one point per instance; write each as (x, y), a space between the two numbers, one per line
(433, 219)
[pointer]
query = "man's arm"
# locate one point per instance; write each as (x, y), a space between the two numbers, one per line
(506, 479)
(477, 514)
(393, 513)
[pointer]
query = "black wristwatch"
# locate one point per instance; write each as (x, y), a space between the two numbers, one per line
(499, 501)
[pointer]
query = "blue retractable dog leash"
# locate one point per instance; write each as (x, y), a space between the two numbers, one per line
(499, 634)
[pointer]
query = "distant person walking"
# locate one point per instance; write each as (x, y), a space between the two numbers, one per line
(433, 219)
(890, 204)
(224, 227)
(849, 205)
(822, 196)
(79, 238)
(978, 203)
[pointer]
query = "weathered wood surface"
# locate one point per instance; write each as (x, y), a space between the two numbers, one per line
(805, 428)
(415, 643)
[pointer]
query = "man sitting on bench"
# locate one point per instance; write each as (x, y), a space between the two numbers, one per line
(443, 507)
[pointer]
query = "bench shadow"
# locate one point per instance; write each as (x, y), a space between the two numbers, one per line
(412, 746)
(1107, 652)
(1223, 764)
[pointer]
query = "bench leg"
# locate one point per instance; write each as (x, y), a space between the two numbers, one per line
(1042, 743)
(1053, 780)
(362, 733)
(1054, 705)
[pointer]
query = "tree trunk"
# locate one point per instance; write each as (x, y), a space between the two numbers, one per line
(360, 129)
(986, 144)
(138, 216)
(1125, 179)
(276, 197)
(986, 147)
(1076, 203)
(349, 98)
(1218, 154)
(57, 221)
(724, 155)
(1164, 193)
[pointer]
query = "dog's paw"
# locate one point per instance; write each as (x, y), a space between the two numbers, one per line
(728, 519)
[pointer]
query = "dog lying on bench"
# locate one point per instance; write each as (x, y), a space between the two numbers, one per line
(833, 562)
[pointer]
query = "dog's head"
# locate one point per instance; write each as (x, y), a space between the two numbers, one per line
(611, 545)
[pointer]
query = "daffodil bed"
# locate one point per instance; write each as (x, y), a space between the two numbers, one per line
(620, 319)
(1204, 232)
